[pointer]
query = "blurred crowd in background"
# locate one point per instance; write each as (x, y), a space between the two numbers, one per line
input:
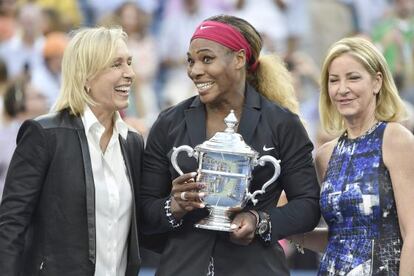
(33, 36)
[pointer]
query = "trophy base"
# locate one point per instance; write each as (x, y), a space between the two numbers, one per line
(218, 220)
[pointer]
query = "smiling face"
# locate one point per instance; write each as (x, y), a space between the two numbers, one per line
(110, 88)
(352, 89)
(215, 70)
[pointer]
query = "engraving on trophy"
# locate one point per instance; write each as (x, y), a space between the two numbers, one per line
(225, 176)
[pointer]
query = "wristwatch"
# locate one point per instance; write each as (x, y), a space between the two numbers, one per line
(264, 227)
(263, 223)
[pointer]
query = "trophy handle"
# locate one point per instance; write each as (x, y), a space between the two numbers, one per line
(262, 160)
(190, 151)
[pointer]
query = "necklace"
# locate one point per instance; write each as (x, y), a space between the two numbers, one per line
(369, 131)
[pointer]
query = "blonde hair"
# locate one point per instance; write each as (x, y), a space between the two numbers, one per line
(271, 77)
(389, 106)
(90, 51)
(274, 81)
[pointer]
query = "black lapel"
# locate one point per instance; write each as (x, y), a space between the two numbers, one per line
(127, 160)
(67, 120)
(250, 115)
(195, 120)
(90, 194)
(133, 248)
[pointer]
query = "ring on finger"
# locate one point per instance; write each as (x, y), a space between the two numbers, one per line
(183, 197)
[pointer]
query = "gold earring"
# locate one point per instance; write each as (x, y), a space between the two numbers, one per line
(87, 90)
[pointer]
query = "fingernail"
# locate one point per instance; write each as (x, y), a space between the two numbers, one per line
(193, 174)
(202, 205)
(201, 195)
(233, 226)
(201, 185)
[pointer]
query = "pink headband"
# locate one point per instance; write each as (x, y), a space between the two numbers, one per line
(225, 35)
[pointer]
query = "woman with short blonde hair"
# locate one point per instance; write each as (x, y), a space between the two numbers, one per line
(366, 173)
(73, 179)
(390, 107)
(82, 63)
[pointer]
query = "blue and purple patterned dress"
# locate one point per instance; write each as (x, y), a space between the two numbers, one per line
(357, 203)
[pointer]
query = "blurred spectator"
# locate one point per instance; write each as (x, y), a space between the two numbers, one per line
(367, 13)
(331, 20)
(51, 21)
(100, 9)
(8, 24)
(269, 20)
(297, 23)
(394, 35)
(3, 86)
(409, 121)
(282, 23)
(174, 7)
(68, 10)
(96, 10)
(305, 75)
(23, 50)
(143, 108)
(174, 38)
(21, 101)
(46, 75)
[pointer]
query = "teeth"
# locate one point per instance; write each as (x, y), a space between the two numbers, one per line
(124, 89)
(205, 85)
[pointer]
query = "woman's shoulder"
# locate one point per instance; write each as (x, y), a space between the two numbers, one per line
(271, 106)
(174, 112)
(279, 116)
(49, 120)
(63, 119)
(325, 150)
(172, 118)
(323, 155)
(397, 128)
(135, 135)
(397, 138)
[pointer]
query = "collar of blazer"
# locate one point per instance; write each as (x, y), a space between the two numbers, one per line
(63, 119)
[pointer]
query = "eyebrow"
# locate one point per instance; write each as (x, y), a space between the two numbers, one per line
(347, 74)
(203, 50)
(121, 58)
(199, 51)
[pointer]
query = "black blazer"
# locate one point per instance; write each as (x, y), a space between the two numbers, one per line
(263, 125)
(49, 200)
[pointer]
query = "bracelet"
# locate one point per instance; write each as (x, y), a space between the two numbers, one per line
(299, 246)
(171, 219)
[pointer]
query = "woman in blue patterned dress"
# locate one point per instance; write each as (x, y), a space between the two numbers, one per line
(367, 190)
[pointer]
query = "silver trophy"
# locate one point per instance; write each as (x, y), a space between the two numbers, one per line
(225, 164)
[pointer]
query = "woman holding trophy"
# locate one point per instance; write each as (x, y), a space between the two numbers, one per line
(231, 78)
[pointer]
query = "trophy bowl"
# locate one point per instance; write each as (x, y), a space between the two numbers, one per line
(225, 165)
